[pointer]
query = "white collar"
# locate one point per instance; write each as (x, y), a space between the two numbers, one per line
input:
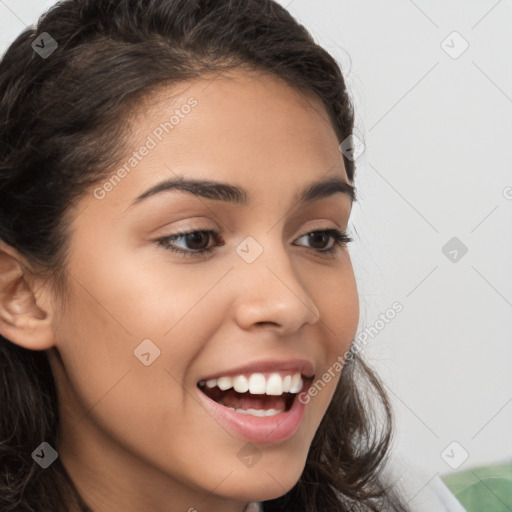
(254, 506)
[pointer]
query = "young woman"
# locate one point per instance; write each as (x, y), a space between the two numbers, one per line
(177, 302)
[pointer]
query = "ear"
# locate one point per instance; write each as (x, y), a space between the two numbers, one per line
(25, 314)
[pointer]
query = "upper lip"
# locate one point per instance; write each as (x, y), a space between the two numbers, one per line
(302, 366)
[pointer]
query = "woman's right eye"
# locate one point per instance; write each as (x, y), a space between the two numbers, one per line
(194, 239)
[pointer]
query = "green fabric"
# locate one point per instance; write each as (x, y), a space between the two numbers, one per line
(483, 489)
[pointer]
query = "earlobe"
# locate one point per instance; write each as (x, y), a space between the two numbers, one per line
(24, 320)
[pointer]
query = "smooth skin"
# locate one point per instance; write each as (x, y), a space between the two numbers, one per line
(135, 437)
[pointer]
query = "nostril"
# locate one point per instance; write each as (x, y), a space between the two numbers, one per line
(263, 324)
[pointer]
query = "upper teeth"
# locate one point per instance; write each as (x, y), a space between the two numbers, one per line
(258, 384)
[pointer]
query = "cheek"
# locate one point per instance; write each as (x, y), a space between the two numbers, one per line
(336, 296)
(338, 302)
(118, 304)
(159, 294)
(145, 408)
(142, 291)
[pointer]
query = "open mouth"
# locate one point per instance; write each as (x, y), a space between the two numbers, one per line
(255, 394)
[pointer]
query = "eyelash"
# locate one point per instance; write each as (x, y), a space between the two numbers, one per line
(340, 241)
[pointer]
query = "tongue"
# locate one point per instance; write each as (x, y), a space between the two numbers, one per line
(231, 398)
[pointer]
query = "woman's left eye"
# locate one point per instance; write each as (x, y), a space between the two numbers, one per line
(198, 241)
(339, 240)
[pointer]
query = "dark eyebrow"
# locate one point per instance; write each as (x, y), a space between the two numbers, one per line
(233, 194)
(325, 188)
(203, 188)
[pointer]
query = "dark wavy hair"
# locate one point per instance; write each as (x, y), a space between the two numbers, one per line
(61, 131)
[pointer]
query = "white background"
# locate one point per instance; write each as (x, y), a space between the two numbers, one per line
(437, 164)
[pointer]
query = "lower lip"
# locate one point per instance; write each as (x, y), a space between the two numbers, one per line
(257, 429)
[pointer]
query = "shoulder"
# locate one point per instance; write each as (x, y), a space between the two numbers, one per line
(486, 488)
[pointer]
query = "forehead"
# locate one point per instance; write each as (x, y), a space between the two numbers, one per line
(248, 129)
(238, 113)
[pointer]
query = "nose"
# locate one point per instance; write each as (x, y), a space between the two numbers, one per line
(270, 294)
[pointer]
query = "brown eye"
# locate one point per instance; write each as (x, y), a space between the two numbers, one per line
(198, 240)
(319, 239)
(191, 242)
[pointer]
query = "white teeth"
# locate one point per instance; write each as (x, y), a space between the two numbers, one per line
(257, 384)
(274, 385)
(296, 384)
(225, 383)
(241, 384)
(258, 412)
(287, 381)
(272, 412)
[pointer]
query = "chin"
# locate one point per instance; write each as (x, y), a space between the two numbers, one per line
(267, 482)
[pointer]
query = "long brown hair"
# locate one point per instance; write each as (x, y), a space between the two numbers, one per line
(60, 133)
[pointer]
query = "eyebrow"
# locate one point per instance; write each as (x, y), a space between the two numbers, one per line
(233, 194)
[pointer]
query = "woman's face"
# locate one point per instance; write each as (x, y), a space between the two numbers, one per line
(146, 327)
